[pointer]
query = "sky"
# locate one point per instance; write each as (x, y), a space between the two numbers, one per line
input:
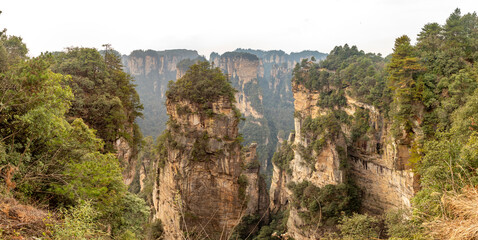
(222, 25)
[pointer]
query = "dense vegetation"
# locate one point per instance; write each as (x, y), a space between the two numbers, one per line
(346, 70)
(50, 155)
(324, 206)
(445, 87)
(105, 97)
(428, 92)
(201, 85)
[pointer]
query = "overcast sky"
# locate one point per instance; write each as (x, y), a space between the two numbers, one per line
(221, 25)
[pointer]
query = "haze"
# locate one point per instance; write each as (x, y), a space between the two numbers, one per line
(221, 26)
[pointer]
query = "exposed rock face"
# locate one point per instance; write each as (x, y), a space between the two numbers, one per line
(201, 188)
(256, 191)
(242, 70)
(264, 95)
(124, 152)
(279, 194)
(152, 70)
(375, 165)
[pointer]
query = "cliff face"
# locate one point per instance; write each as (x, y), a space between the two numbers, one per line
(242, 70)
(191, 191)
(152, 70)
(205, 182)
(264, 96)
(374, 164)
(379, 165)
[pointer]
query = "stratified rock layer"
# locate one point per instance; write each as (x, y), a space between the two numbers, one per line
(376, 165)
(202, 189)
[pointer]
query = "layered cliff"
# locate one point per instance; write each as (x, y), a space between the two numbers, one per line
(343, 141)
(264, 96)
(205, 182)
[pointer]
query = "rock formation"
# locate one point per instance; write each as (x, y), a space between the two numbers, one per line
(262, 79)
(264, 95)
(205, 182)
(374, 163)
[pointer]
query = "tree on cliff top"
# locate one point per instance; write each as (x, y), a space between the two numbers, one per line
(201, 84)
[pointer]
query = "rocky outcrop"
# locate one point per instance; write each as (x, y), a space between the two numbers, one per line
(262, 79)
(124, 153)
(200, 189)
(256, 191)
(206, 183)
(374, 163)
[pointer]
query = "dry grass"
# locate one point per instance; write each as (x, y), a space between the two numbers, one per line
(461, 220)
(19, 221)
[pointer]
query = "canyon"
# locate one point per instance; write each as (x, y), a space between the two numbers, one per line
(271, 104)
(262, 79)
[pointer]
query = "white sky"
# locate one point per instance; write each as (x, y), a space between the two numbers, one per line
(221, 25)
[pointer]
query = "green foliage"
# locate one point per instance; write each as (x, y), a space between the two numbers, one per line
(130, 217)
(360, 124)
(185, 64)
(95, 177)
(156, 230)
(244, 55)
(359, 226)
(201, 85)
(403, 81)
(105, 97)
(242, 181)
(400, 226)
(326, 126)
(51, 160)
(345, 71)
(79, 223)
(283, 157)
(331, 99)
(198, 152)
(276, 227)
(246, 228)
(448, 89)
(325, 205)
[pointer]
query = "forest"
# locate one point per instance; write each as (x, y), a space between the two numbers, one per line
(65, 118)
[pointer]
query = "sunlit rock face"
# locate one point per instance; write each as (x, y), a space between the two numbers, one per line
(207, 183)
(376, 165)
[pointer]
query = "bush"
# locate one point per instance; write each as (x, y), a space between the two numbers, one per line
(359, 226)
(201, 84)
(79, 223)
(276, 227)
(283, 157)
(324, 205)
(399, 225)
(130, 217)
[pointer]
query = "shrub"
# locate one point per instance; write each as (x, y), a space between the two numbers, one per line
(324, 205)
(359, 226)
(400, 225)
(79, 223)
(201, 84)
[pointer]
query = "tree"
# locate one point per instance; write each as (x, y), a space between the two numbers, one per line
(402, 80)
(105, 97)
